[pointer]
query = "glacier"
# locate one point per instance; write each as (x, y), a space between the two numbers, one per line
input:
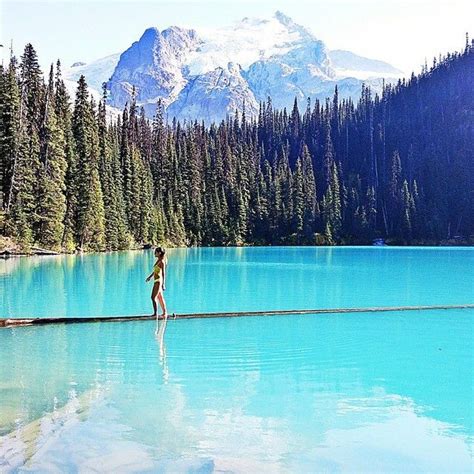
(207, 74)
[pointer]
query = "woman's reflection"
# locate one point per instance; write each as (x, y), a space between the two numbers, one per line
(160, 338)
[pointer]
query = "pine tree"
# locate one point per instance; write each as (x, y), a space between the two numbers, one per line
(371, 212)
(32, 89)
(21, 211)
(394, 187)
(22, 220)
(146, 214)
(298, 199)
(311, 207)
(333, 205)
(116, 235)
(9, 129)
(328, 159)
(328, 234)
(407, 211)
(126, 163)
(72, 180)
(90, 207)
(52, 199)
(63, 112)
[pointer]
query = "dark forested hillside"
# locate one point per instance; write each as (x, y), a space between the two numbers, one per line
(398, 166)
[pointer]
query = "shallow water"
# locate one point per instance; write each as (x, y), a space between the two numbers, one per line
(387, 391)
(238, 279)
(351, 392)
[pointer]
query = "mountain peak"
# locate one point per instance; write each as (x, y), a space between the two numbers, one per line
(150, 34)
(292, 27)
(283, 19)
(180, 36)
(210, 73)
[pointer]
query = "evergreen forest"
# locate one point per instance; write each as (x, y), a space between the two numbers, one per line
(398, 165)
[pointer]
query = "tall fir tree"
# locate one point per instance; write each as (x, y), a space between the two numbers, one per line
(396, 165)
(90, 208)
(52, 198)
(116, 234)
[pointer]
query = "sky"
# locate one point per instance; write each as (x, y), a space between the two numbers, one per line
(401, 32)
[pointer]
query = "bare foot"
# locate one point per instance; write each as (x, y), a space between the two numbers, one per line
(163, 316)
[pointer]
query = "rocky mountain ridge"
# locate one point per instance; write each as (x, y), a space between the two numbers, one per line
(209, 74)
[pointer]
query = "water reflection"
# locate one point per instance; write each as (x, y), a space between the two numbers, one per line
(22, 446)
(160, 339)
(384, 433)
(284, 393)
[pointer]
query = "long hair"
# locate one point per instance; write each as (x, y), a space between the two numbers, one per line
(161, 253)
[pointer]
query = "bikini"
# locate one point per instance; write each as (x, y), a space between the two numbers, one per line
(156, 273)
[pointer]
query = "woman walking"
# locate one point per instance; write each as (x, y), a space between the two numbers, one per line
(159, 275)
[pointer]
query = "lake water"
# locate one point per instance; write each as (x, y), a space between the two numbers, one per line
(237, 279)
(335, 392)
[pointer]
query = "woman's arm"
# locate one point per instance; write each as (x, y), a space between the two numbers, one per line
(149, 277)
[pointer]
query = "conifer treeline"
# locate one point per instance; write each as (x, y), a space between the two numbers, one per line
(398, 166)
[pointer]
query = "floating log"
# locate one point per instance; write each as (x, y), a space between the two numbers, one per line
(40, 251)
(18, 322)
(7, 253)
(12, 253)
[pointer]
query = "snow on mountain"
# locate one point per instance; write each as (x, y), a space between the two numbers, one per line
(154, 65)
(96, 72)
(208, 74)
(224, 90)
(299, 73)
(246, 42)
(348, 64)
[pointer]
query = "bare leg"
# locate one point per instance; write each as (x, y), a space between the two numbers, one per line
(162, 302)
(154, 294)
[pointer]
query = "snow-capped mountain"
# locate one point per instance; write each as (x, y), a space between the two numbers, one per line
(96, 72)
(208, 74)
(155, 66)
(211, 95)
(348, 64)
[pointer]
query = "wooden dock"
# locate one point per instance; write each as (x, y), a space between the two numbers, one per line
(19, 322)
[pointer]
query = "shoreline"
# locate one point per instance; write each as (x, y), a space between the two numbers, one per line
(6, 253)
(9, 249)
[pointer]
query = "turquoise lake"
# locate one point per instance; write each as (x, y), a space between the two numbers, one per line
(332, 392)
(237, 279)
